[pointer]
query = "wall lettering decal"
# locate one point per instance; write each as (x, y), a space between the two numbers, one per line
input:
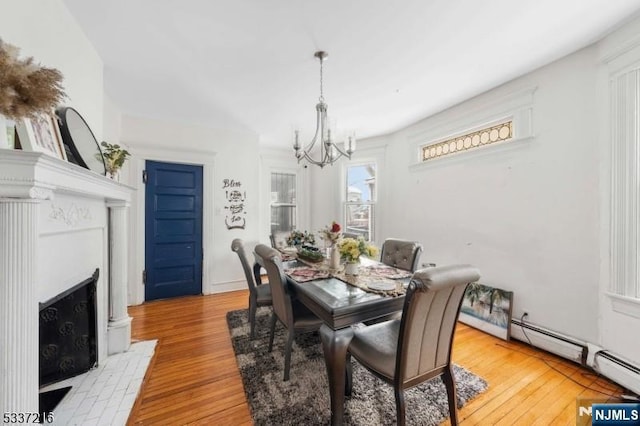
(236, 214)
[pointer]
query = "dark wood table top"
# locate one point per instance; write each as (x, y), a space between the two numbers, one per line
(340, 304)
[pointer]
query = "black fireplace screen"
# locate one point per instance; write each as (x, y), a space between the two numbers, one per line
(68, 332)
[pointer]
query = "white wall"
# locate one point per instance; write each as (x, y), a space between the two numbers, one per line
(47, 31)
(225, 155)
(527, 214)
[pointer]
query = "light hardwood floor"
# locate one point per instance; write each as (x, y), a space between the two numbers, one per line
(194, 379)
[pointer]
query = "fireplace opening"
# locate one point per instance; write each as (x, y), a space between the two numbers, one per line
(68, 343)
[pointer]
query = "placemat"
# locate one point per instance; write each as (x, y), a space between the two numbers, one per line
(386, 271)
(306, 273)
(363, 279)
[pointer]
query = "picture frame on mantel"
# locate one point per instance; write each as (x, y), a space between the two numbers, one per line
(41, 134)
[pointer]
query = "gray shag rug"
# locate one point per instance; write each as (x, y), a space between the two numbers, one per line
(304, 399)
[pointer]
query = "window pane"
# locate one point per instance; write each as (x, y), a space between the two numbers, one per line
(283, 188)
(359, 219)
(283, 202)
(283, 219)
(361, 183)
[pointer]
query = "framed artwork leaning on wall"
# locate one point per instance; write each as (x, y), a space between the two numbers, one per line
(41, 134)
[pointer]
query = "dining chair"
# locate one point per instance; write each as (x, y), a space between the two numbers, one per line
(279, 240)
(401, 254)
(417, 347)
(259, 294)
(296, 317)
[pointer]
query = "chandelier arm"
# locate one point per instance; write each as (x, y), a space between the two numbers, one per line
(310, 146)
(342, 153)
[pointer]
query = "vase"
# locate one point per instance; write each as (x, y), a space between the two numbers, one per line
(114, 175)
(352, 268)
(334, 257)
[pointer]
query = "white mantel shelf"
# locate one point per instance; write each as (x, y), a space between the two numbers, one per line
(37, 175)
(57, 221)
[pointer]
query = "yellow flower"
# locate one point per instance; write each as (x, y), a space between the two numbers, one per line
(351, 249)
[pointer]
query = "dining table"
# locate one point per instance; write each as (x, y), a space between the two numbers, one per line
(342, 301)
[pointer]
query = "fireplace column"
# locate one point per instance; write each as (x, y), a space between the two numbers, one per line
(119, 327)
(18, 305)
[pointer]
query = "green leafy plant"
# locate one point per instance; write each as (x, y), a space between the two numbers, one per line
(114, 156)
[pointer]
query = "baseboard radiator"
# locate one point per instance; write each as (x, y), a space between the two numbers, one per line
(618, 370)
(551, 341)
(615, 368)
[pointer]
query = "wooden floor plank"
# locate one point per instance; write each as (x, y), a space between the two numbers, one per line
(194, 377)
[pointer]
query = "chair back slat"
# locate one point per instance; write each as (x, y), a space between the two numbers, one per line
(237, 245)
(281, 300)
(431, 309)
(402, 254)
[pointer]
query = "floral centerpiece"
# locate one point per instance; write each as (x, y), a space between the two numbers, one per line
(351, 249)
(298, 238)
(331, 234)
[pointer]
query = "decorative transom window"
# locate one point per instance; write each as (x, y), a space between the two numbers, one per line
(489, 135)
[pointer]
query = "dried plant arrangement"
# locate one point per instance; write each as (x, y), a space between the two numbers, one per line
(27, 88)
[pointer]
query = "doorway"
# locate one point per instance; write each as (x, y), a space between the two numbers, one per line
(173, 230)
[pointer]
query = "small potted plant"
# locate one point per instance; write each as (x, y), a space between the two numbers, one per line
(114, 158)
(351, 249)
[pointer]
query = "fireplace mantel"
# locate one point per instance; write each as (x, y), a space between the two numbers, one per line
(58, 223)
(39, 176)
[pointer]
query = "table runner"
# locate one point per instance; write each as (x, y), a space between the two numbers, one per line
(371, 271)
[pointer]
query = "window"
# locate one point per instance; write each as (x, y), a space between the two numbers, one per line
(360, 200)
(497, 133)
(283, 203)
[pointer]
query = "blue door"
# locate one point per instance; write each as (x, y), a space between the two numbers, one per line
(173, 230)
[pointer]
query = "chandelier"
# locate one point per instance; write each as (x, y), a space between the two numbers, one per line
(329, 151)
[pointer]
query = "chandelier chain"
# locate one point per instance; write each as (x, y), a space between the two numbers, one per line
(321, 99)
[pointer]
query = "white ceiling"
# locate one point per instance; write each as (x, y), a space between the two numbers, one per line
(249, 65)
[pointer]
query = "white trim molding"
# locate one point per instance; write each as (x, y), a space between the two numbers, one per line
(143, 152)
(625, 305)
(624, 90)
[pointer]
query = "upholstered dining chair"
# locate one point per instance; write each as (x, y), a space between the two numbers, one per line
(289, 311)
(279, 240)
(401, 254)
(416, 348)
(259, 294)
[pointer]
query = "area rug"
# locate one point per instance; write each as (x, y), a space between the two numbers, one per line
(304, 399)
